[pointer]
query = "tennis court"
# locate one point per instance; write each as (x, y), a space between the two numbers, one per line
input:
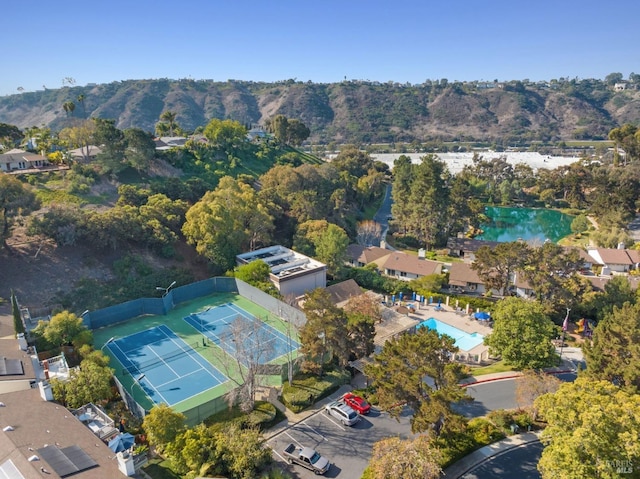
(164, 366)
(235, 330)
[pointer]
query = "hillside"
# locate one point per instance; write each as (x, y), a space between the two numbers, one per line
(350, 111)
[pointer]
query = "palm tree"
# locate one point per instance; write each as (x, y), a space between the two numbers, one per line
(169, 118)
(69, 107)
(81, 101)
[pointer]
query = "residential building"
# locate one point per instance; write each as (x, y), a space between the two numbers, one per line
(615, 260)
(17, 160)
(464, 279)
(466, 248)
(407, 267)
(342, 292)
(292, 273)
(359, 256)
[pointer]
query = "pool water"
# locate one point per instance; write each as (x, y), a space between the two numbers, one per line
(465, 341)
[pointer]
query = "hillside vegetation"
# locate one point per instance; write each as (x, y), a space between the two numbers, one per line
(350, 111)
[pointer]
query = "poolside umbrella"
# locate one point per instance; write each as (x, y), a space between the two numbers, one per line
(482, 316)
(122, 442)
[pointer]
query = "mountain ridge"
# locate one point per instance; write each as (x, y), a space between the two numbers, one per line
(349, 111)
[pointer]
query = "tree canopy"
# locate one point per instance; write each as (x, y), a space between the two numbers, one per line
(522, 334)
(613, 354)
(592, 431)
(409, 459)
(417, 370)
(162, 425)
(227, 221)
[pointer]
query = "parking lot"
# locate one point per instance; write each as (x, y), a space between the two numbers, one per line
(347, 448)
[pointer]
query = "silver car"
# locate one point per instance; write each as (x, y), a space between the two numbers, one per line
(343, 413)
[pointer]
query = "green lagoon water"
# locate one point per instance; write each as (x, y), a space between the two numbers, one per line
(529, 224)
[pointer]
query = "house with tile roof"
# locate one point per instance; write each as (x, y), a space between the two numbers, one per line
(466, 248)
(359, 256)
(464, 279)
(615, 260)
(406, 266)
(342, 292)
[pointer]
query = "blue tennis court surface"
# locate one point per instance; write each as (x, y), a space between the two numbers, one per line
(164, 366)
(238, 331)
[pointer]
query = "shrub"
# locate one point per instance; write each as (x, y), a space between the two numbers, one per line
(306, 389)
(483, 431)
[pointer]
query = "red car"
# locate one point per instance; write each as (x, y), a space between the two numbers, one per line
(356, 403)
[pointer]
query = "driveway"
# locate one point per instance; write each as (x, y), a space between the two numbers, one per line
(348, 448)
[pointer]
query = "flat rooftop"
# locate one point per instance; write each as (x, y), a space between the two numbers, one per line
(282, 261)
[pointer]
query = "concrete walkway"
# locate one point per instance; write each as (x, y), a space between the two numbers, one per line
(464, 465)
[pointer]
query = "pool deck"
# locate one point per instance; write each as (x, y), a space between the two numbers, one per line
(395, 323)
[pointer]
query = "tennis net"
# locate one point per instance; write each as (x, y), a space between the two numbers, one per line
(165, 358)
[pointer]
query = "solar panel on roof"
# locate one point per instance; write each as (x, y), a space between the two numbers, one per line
(67, 461)
(11, 367)
(8, 470)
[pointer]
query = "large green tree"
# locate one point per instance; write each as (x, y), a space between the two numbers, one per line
(549, 269)
(140, 148)
(90, 383)
(613, 354)
(162, 425)
(16, 199)
(417, 370)
(113, 145)
(225, 134)
(64, 328)
(592, 431)
(324, 335)
(522, 334)
(227, 221)
(496, 266)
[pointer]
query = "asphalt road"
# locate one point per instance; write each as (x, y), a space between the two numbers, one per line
(348, 448)
(520, 462)
(493, 395)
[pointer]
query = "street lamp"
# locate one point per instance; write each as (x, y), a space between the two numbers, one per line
(136, 381)
(166, 290)
(565, 326)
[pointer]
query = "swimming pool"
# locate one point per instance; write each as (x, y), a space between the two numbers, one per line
(465, 341)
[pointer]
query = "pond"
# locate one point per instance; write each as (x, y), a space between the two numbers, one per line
(528, 224)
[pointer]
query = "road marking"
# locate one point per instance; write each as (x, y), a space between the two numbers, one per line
(278, 454)
(318, 433)
(333, 422)
(293, 438)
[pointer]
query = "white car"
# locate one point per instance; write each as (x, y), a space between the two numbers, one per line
(343, 413)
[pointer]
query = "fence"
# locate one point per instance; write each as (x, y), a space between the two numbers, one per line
(161, 306)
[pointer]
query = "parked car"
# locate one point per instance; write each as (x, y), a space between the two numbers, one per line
(343, 413)
(356, 403)
(307, 457)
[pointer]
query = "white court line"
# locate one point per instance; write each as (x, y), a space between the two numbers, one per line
(192, 357)
(154, 388)
(247, 315)
(126, 356)
(162, 361)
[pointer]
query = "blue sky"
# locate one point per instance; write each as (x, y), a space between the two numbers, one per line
(322, 41)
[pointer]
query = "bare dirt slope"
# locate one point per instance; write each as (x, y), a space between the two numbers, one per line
(37, 270)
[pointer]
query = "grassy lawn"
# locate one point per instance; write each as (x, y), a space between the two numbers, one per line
(159, 469)
(497, 367)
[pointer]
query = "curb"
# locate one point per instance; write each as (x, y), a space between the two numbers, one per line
(511, 376)
(484, 459)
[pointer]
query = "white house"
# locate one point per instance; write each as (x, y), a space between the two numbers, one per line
(292, 273)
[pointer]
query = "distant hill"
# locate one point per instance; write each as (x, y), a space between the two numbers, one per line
(350, 111)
